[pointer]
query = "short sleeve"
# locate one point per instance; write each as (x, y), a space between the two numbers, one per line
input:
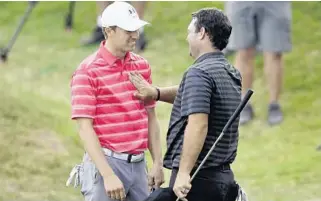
(196, 93)
(83, 95)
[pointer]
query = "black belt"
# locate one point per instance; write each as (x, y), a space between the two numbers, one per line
(221, 167)
(210, 169)
(214, 168)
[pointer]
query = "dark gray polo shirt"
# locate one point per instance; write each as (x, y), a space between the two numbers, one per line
(212, 86)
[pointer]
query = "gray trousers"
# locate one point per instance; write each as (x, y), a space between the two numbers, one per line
(132, 175)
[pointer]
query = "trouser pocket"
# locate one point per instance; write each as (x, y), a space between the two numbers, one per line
(88, 177)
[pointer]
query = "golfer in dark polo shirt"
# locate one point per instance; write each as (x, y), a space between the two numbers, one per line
(209, 93)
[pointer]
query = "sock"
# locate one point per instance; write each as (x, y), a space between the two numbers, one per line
(99, 21)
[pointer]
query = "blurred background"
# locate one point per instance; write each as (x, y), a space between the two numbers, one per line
(39, 144)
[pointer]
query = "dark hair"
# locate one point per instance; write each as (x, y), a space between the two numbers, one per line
(216, 25)
(104, 33)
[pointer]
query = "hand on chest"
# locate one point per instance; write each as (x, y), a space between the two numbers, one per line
(115, 83)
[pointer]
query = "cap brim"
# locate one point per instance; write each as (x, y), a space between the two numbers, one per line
(133, 25)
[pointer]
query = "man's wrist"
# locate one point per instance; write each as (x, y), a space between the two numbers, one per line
(158, 163)
(107, 173)
(157, 97)
(183, 171)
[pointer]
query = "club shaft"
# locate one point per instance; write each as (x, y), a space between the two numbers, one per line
(228, 124)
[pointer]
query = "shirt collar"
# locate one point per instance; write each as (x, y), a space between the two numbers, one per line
(218, 55)
(109, 57)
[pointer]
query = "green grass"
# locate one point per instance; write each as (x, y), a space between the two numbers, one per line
(39, 143)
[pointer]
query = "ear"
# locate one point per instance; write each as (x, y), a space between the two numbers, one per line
(202, 33)
(109, 30)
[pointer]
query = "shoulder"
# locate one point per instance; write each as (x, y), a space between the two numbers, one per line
(196, 71)
(86, 72)
(89, 65)
(212, 67)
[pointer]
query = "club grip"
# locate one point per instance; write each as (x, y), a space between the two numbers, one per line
(238, 109)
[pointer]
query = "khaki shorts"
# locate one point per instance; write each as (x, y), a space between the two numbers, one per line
(264, 25)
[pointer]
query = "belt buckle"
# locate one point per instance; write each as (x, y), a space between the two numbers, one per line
(129, 158)
(225, 167)
(139, 158)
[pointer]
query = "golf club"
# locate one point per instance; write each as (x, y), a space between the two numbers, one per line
(228, 124)
(69, 17)
(5, 51)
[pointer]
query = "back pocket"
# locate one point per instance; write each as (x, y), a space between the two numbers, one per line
(208, 190)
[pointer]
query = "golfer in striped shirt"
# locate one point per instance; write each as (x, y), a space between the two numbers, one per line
(115, 127)
(203, 102)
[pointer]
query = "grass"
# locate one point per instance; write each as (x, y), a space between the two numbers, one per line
(39, 143)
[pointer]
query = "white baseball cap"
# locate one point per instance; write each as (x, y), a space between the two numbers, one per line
(123, 15)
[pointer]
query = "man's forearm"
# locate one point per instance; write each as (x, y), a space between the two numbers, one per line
(194, 139)
(154, 142)
(155, 146)
(93, 148)
(168, 94)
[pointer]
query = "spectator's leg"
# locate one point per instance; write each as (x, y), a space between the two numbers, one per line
(275, 34)
(140, 8)
(274, 73)
(97, 35)
(244, 62)
(243, 40)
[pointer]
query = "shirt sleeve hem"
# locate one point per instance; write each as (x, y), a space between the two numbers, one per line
(189, 112)
(73, 117)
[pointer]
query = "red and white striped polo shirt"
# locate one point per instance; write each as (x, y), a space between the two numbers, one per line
(101, 90)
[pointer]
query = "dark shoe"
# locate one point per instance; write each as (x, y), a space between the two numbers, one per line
(319, 148)
(96, 37)
(247, 114)
(275, 115)
(141, 42)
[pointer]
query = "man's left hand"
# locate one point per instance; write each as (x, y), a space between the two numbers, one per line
(145, 91)
(182, 185)
(156, 176)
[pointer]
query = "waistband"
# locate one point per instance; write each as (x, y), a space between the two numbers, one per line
(210, 169)
(214, 168)
(130, 158)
